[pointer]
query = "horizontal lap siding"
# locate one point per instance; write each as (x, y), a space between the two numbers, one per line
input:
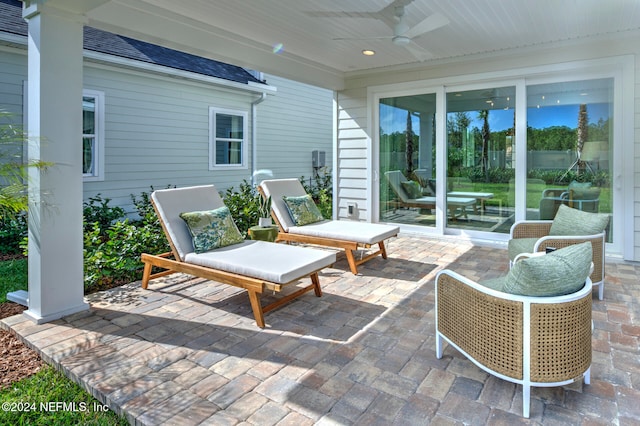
(291, 124)
(13, 68)
(157, 133)
(13, 72)
(157, 127)
(353, 161)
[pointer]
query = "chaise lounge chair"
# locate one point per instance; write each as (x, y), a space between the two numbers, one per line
(345, 234)
(396, 179)
(256, 266)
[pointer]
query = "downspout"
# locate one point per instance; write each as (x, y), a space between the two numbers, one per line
(254, 136)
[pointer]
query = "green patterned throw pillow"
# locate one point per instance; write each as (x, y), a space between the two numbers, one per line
(212, 229)
(412, 188)
(303, 210)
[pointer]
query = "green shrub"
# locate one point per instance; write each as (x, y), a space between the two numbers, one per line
(112, 254)
(12, 231)
(98, 211)
(321, 190)
(244, 206)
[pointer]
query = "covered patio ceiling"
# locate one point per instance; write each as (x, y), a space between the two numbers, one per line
(321, 42)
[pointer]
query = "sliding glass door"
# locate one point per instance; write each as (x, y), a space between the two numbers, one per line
(480, 159)
(407, 159)
(570, 147)
(474, 176)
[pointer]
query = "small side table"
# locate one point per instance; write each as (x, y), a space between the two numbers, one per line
(263, 233)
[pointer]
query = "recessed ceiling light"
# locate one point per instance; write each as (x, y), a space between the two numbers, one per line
(368, 52)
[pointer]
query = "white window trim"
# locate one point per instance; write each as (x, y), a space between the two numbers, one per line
(98, 174)
(212, 138)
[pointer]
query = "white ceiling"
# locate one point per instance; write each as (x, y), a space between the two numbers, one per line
(244, 32)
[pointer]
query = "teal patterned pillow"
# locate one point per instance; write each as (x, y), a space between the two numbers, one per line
(412, 188)
(212, 229)
(303, 210)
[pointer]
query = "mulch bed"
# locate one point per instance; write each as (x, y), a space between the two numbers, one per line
(16, 360)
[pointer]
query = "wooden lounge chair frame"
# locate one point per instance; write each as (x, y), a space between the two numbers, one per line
(349, 247)
(169, 263)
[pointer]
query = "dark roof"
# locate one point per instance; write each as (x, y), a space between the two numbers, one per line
(96, 40)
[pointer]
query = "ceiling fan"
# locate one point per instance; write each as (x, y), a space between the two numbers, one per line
(395, 17)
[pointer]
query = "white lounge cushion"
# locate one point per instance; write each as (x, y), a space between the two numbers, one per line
(360, 232)
(278, 188)
(171, 202)
(347, 230)
(277, 263)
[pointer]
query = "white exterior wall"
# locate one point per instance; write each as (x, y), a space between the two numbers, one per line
(353, 153)
(354, 147)
(292, 124)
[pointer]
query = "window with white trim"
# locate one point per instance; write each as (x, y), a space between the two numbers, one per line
(92, 135)
(227, 138)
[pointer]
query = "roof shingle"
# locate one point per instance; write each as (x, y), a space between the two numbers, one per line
(96, 40)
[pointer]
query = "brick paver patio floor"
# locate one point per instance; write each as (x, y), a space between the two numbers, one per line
(188, 351)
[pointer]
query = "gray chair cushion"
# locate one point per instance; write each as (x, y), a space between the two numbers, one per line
(520, 245)
(570, 221)
(494, 283)
(277, 263)
(171, 202)
(348, 230)
(277, 189)
(563, 271)
(584, 191)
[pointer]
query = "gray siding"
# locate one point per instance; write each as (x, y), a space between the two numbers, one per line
(157, 127)
(157, 132)
(13, 66)
(292, 124)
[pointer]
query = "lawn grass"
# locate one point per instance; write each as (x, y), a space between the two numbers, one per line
(48, 386)
(13, 276)
(49, 398)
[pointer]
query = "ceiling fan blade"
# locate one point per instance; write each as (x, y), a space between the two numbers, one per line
(319, 14)
(418, 52)
(431, 23)
(364, 38)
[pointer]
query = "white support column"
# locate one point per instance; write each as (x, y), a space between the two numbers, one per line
(56, 281)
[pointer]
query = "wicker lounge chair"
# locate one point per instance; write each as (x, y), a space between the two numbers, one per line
(344, 234)
(396, 178)
(256, 266)
(575, 227)
(538, 341)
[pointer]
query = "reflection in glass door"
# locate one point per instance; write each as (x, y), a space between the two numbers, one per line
(407, 159)
(481, 159)
(565, 155)
(569, 147)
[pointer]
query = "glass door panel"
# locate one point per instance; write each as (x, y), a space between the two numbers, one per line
(407, 159)
(569, 147)
(481, 159)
